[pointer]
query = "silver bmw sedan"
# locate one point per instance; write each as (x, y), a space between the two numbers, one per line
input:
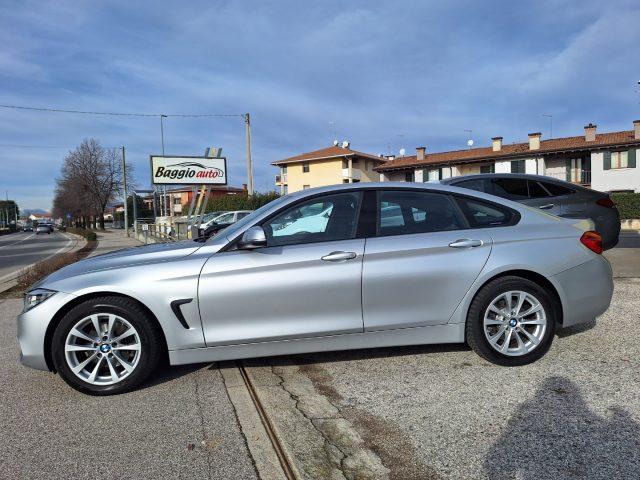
(334, 268)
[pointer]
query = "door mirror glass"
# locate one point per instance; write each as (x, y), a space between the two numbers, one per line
(253, 238)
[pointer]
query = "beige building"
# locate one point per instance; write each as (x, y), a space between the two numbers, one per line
(327, 166)
(603, 161)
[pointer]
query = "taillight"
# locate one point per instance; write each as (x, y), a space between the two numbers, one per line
(592, 240)
(606, 202)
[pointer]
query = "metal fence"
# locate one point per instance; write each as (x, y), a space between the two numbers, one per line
(580, 177)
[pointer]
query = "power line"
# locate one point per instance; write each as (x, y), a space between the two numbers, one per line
(120, 114)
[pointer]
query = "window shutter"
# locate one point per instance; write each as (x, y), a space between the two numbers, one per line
(567, 169)
(631, 159)
(606, 160)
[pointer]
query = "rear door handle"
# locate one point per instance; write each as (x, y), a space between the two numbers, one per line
(547, 206)
(339, 256)
(466, 243)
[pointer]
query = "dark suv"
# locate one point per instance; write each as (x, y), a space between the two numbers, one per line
(560, 198)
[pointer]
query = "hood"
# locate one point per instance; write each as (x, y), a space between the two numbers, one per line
(146, 254)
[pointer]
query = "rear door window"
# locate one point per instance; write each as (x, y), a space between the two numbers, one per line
(536, 190)
(511, 188)
(557, 190)
(479, 185)
(482, 214)
(408, 212)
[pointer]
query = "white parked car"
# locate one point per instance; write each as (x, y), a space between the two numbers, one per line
(217, 223)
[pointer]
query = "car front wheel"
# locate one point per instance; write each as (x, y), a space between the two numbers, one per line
(106, 346)
(511, 321)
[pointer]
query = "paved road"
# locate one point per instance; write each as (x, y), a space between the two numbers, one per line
(21, 249)
(51, 431)
(440, 412)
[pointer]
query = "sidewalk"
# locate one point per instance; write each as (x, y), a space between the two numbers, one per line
(114, 239)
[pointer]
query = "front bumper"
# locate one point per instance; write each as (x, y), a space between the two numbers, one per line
(585, 290)
(32, 330)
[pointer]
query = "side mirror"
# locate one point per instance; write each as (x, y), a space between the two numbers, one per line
(253, 238)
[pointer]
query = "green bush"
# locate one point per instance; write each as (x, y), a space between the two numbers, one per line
(628, 204)
(240, 201)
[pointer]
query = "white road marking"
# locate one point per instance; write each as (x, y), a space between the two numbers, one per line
(15, 273)
(21, 240)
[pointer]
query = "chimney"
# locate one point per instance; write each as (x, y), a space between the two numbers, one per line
(420, 152)
(590, 132)
(497, 143)
(534, 141)
(636, 129)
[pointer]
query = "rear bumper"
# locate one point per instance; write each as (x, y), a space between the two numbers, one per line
(585, 290)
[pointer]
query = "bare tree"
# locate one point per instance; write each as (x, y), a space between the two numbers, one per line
(91, 177)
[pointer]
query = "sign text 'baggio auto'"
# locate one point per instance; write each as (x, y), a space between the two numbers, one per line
(188, 170)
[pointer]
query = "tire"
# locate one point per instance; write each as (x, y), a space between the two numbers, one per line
(539, 325)
(121, 366)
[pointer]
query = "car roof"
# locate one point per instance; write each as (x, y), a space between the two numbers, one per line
(432, 186)
(523, 176)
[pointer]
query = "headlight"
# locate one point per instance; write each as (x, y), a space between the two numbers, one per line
(35, 297)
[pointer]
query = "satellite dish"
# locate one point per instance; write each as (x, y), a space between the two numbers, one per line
(335, 143)
(470, 143)
(345, 144)
(402, 152)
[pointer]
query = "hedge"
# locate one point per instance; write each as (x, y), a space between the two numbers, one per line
(628, 204)
(88, 234)
(240, 202)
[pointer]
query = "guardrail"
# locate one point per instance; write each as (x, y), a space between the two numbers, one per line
(149, 232)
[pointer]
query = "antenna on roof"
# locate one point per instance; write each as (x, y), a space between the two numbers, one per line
(335, 143)
(345, 144)
(469, 140)
(402, 152)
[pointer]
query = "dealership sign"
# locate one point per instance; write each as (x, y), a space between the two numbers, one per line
(188, 170)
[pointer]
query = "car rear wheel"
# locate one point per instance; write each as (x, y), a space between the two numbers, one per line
(511, 321)
(106, 346)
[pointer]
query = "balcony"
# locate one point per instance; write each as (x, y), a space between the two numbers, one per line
(281, 179)
(355, 173)
(579, 177)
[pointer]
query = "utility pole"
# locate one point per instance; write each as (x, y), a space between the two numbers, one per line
(550, 117)
(163, 188)
(124, 188)
(247, 124)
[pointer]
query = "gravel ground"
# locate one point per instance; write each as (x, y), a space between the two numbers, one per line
(180, 425)
(442, 412)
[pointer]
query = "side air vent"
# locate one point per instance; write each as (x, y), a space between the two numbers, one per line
(177, 311)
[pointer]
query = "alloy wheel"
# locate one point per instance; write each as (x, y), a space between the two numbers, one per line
(103, 349)
(515, 323)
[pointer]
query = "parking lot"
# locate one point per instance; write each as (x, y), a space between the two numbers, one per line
(434, 412)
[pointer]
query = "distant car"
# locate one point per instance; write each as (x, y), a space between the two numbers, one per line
(222, 221)
(557, 197)
(44, 228)
(27, 228)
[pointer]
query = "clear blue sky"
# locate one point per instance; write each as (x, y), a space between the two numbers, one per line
(383, 75)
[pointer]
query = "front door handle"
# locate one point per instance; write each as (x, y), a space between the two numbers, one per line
(547, 206)
(339, 256)
(466, 243)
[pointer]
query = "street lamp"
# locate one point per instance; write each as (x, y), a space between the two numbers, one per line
(163, 210)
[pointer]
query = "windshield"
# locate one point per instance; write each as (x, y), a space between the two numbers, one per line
(234, 228)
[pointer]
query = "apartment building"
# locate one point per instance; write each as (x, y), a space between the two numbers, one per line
(603, 161)
(327, 166)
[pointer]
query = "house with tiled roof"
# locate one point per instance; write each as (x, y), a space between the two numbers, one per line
(603, 161)
(327, 166)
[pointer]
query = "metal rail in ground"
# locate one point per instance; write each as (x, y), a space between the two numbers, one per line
(285, 462)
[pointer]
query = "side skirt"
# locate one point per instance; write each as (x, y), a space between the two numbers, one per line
(448, 333)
